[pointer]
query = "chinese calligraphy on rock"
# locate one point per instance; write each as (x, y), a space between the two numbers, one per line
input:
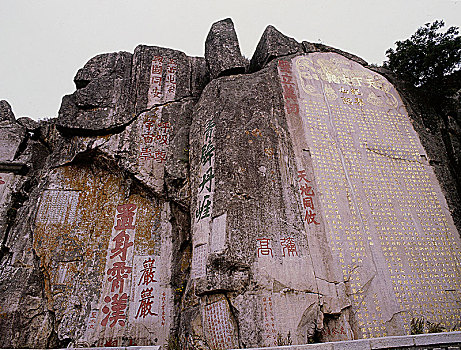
(118, 272)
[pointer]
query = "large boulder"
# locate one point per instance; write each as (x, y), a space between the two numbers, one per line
(222, 50)
(103, 100)
(177, 202)
(273, 44)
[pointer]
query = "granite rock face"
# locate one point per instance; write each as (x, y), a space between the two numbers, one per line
(5, 111)
(222, 50)
(273, 44)
(176, 201)
(103, 99)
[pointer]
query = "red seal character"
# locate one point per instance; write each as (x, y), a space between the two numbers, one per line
(121, 245)
(264, 247)
(288, 246)
(125, 217)
(118, 273)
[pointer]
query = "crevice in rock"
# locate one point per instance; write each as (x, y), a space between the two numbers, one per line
(22, 146)
(382, 153)
(182, 253)
(454, 169)
(17, 202)
(66, 131)
(234, 314)
(232, 71)
(394, 315)
(81, 83)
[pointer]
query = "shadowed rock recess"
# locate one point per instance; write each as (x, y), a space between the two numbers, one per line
(214, 203)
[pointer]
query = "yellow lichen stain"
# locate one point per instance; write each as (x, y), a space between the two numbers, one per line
(73, 248)
(82, 240)
(269, 151)
(255, 132)
(147, 236)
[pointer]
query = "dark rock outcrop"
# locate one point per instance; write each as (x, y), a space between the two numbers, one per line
(273, 44)
(222, 50)
(103, 100)
(316, 47)
(5, 111)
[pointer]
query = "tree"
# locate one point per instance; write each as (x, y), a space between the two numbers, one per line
(428, 56)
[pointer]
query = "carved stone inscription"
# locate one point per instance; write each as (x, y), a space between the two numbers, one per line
(219, 326)
(204, 206)
(386, 223)
(162, 84)
(108, 253)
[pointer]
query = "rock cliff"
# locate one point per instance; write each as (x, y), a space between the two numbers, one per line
(215, 202)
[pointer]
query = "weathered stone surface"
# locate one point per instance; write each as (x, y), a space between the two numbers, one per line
(438, 140)
(285, 206)
(392, 342)
(6, 114)
(159, 76)
(103, 98)
(222, 50)
(316, 47)
(273, 44)
(200, 75)
(241, 157)
(28, 123)
(11, 134)
(23, 309)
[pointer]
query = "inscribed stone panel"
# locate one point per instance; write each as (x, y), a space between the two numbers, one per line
(386, 223)
(95, 244)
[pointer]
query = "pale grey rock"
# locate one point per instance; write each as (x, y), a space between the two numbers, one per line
(134, 131)
(251, 148)
(392, 342)
(273, 44)
(363, 344)
(437, 338)
(12, 134)
(222, 50)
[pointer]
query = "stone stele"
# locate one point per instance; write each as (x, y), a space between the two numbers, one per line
(208, 203)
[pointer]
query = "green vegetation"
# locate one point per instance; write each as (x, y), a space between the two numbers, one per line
(430, 60)
(419, 326)
(428, 56)
(283, 341)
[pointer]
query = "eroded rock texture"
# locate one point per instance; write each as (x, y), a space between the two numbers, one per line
(291, 204)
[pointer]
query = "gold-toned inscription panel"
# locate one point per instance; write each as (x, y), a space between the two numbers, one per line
(386, 222)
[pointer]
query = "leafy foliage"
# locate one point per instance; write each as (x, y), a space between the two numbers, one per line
(417, 326)
(437, 327)
(282, 341)
(428, 56)
(420, 326)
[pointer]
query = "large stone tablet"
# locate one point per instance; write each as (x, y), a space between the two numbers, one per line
(386, 221)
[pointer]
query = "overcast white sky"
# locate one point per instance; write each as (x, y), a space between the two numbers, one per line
(44, 42)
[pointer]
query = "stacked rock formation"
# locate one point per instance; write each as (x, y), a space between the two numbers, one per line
(218, 203)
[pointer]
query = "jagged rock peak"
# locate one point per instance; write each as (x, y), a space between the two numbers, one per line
(6, 112)
(222, 50)
(271, 45)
